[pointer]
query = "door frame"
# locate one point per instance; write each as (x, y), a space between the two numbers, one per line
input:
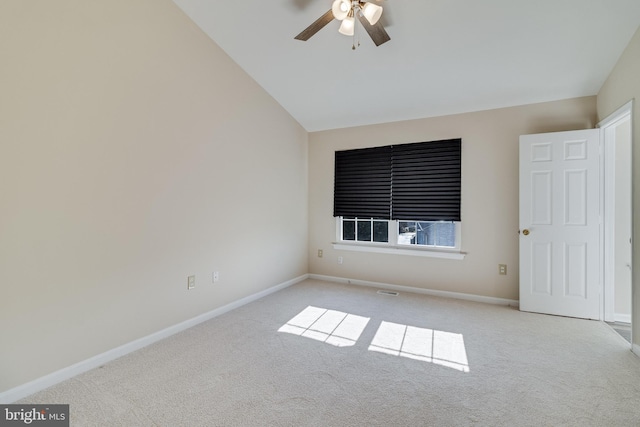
(607, 204)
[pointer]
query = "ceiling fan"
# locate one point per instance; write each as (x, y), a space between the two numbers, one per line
(368, 15)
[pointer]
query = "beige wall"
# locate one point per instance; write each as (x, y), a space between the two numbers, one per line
(133, 153)
(623, 85)
(489, 196)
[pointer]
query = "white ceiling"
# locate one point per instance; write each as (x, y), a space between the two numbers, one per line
(444, 57)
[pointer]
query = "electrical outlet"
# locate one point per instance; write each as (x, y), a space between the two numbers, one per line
(215, 276)
(320, 253)
(191, 282)
(340, 259)
(502, 269)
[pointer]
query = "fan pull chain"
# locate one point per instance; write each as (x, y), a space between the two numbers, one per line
(355, 26)
(355, 30)
(355, 33)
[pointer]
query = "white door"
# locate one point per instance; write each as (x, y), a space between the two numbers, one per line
(560, 223)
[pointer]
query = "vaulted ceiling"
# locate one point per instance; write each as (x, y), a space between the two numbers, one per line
(444, 57)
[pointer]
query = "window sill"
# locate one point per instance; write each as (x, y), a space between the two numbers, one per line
(398, 250)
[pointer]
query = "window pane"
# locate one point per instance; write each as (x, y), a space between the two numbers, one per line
(445, 234)
(364, 231)
(380, 231)
(425, 233)
(348, 230)
(406, 232)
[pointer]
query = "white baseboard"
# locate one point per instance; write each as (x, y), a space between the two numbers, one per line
(63, 374)
(432, 292)
(622, 318)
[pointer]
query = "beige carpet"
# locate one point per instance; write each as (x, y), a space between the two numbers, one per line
(324, 354)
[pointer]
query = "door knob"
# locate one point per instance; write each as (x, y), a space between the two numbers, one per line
(525, 232)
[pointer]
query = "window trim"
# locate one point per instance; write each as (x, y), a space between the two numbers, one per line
(397, 249)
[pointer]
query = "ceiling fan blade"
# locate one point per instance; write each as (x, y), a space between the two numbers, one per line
(377, 32)
(315, 27)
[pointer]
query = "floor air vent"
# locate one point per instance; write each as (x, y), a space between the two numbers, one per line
(391, 293)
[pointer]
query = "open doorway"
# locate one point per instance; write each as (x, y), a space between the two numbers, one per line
(617, 214)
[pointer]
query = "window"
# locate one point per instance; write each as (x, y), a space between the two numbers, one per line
(406, 196)
(427, 233)
(404, 234)
(365, 230)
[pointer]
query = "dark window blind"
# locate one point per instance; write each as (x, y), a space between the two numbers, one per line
(426, 181)
(362, 184)
(419, 181)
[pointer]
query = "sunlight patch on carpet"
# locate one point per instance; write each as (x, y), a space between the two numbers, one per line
(427, 345)
(328, 326)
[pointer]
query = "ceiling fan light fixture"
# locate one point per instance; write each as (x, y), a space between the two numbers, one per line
(347, 26)
(340, 9)
(372, 12)
(353, 9)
